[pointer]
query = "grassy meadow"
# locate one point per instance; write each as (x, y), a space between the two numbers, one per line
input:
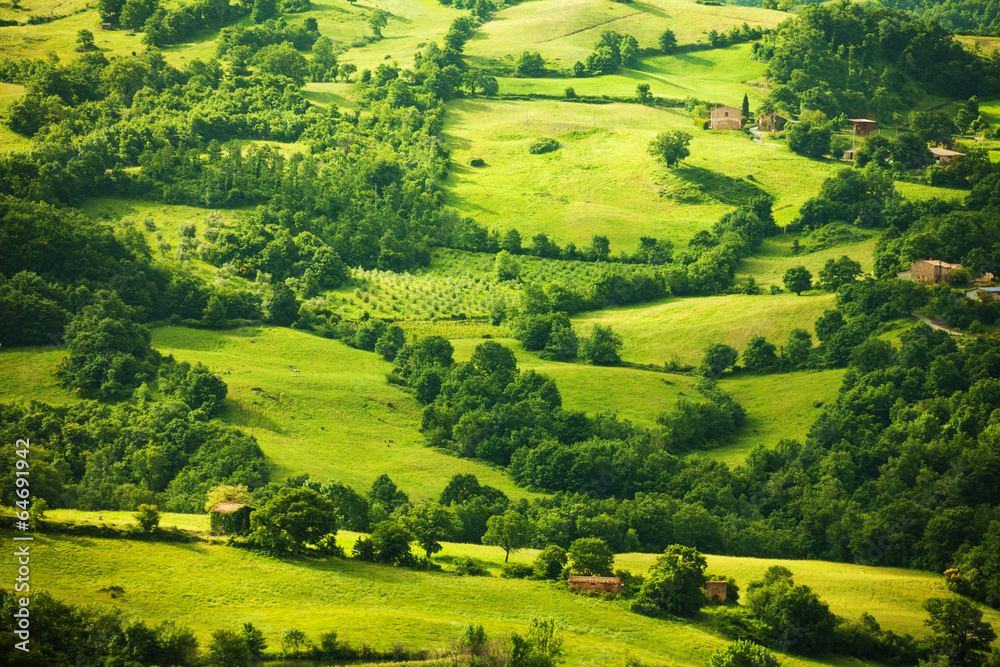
(774, 256)
(209, 586)
(681, 328)
(601, 180)
(564, 31)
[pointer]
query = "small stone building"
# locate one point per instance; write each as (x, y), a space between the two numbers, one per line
(984, 293)
(944, 156)
(230, 519)
(715, 590)
(608, 584)
(931, 270)
(771, 123)
(726, 118)
(862, 125)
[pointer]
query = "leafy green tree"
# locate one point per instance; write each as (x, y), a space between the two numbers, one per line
(667, 41)
(760, 356)
(346, 70)
(743, 653)
(110, 10)
(282, 60)
(796, 350)
(675, 583)
(629, 51)
(292, 641)
(550, 562)
(135, 13)
(670, 147)
(228, 649)
(529, 64)
(292, 520)
(797, 279)
(385, 492)
(506, 267)
(961, 634)
(264, 10)
(148, 517)
(376, 21)
(391, 544)
(85, 41)
(642, 94)
(36, 513)
(837, 272)
(933, 127)
(797, 620)
(390, 342)
(511, 531)
(255, 641)
(430, 523)
(808, 139)
(591, 556)
(745, 109)
(602, 346)
(280, 306)
(718, 357)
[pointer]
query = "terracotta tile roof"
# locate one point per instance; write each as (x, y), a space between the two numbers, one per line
(594, 580)
(226, 508)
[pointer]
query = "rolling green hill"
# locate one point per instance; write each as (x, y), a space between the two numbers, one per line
(564, 31)
(681, 329)
(209, 586)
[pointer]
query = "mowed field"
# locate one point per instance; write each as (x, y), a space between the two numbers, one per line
(564, 31)
(209, 586)
(681, 328)
(717, 76)
(602, 180)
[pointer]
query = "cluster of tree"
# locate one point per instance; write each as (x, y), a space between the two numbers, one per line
(856, 196)
(181, 23)
(612, 51)
(978, 16)
(168, 453)
(737, 34)
(825, 60)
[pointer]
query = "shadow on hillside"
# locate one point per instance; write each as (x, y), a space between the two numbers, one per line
(647, 8)
(725, 189)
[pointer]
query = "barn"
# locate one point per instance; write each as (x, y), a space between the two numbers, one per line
(230, 518)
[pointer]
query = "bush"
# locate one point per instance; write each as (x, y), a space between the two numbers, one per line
(543, 146)
(477, 162)
(516, 571)
(467, 566)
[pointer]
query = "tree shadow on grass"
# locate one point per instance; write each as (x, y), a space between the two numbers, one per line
(725, 189)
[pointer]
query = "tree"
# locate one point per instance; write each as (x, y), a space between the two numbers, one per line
(602, 346)
(430, 523)
(718, 357)
(506, 267)
(390, 342)
(759, 355)
(292, 520)
(797, 620)
(797, 279)
(264, 10)
(376, 21)
(148, 517)
(642, 94)
(255, 641)
(743, 653)
(347, 69)
(226, 493)
(292, 640)
(837, 272)
(667, 41)
(796, 350)
(808, 139)
(933, 127)
(963, 637)
(36, 513)
(670, 147)
(283, 60)
(549, 563)
(228, 649)
(390, 542)
(745, 109)
(511, 531)
(529, 64)
(675, 583)
(591, 556)
(85, 41)
(281, 307)
(110, 10)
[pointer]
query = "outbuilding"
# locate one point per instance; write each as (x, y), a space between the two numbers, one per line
(862, 125)
(608, 584)
(945, 156)
(230, 518)
(726, 117)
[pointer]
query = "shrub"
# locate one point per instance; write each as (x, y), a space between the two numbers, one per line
(543, 146)
(467, 566)
(477, 162)
(516, 571)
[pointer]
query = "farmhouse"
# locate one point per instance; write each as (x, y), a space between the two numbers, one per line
(945, 156)
(771, 123)
(609, 584)
(984, 293)
(715, 590)
(230, 518)
(928, 270)
(862, 125)
(726, 118)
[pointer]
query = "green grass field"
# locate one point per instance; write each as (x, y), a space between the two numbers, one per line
(209, 586)
(601, 180)
(26, 373)
(681, 329)
(769, 262)
(337, 419)
(719, 76)
(565, 31)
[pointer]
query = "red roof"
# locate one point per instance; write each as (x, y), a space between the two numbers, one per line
(594, 580)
